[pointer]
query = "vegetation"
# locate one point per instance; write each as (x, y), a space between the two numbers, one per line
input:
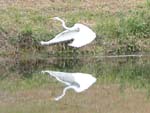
(122, 32)
(120, 28)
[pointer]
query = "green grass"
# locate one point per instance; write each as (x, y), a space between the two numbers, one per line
(127, 31)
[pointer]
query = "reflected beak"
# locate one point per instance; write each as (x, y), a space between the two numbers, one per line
(52, 18)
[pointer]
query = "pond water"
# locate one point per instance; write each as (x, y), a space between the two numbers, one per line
(114, 91)
(122, 69)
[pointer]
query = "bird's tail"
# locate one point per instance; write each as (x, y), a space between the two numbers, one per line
(47, 71)
(45, 43)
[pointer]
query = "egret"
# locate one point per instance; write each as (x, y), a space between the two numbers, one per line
(79, 33)
(76, 81)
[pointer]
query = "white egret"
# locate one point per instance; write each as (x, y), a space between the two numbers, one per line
(79, 33)
(77, 81)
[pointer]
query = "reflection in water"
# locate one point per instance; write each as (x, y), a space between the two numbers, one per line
(72, 80)
(131, 69)
(27, 67)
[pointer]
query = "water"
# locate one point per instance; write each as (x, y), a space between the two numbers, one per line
(120, 84)
(132, 69)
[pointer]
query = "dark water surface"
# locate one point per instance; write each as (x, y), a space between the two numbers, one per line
(135, 69)
(24, 89)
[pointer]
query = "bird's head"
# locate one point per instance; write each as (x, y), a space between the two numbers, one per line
(42, 72)
(56, 18)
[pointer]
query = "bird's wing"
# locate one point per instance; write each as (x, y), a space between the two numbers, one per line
(67, 83)
(88, 80)
(66, 78)
(83, 37)
(63, 36)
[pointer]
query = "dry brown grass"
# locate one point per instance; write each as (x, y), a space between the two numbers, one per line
(106, 5)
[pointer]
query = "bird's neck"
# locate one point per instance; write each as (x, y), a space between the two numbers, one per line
(64, 25)
(68, 28)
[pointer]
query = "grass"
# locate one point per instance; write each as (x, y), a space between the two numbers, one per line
(127, 31)
(123, 32)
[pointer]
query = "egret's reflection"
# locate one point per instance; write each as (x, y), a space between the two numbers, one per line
(77, 81)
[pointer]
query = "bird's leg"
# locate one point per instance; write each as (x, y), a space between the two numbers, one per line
(46, 71)
(64, 92)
